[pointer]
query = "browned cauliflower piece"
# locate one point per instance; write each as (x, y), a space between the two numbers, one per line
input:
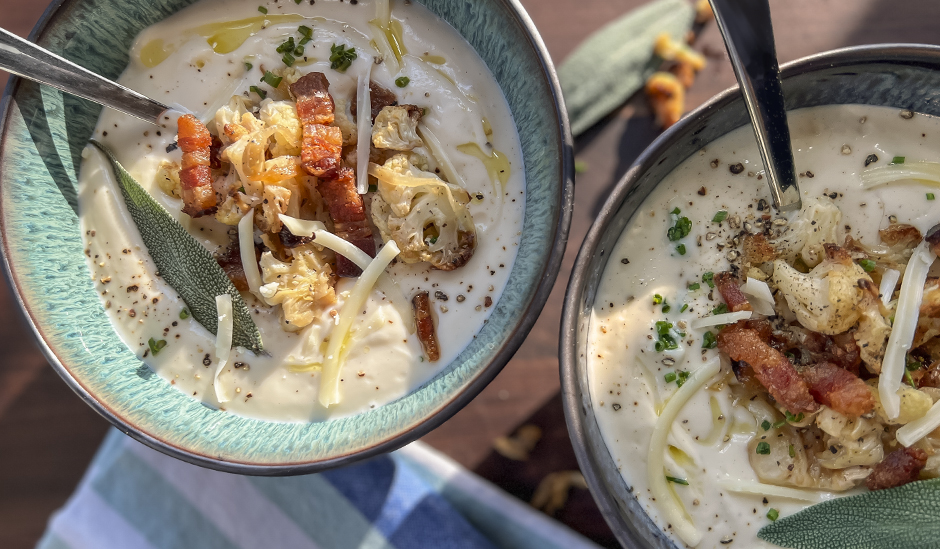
(426, 216)
(302, 287)
(396, 128)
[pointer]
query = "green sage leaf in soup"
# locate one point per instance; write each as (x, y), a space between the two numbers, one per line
(183, 262)
(907, 516)
(614, 63)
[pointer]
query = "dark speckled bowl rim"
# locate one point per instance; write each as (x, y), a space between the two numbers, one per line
(628, 534)
(562, 222)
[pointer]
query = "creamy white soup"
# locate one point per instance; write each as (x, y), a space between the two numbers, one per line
(223, 60)
(651, 344)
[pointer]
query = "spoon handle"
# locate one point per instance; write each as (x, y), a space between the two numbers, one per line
(748, 34)
(27, 60)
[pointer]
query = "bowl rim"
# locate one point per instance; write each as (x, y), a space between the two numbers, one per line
(901, 53)
(502, 355)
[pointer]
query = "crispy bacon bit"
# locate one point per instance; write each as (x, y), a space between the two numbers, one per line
(727, 285)
(933, 239)
(900, 233)
(231, 262)
(290, 240)
(897, 469)
(838, 389)
(320, 156)
(666, 96)
(756, 249)
(841, 350)
(771, 367)
(215, 153)
(379, 98)
(322, 143)
(349, 218)
(199, 197)
(424, 323)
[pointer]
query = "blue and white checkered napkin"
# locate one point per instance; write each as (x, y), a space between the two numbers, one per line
(133, 497)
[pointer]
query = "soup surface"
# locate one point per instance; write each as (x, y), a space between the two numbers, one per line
(202, 57)
(654, 285)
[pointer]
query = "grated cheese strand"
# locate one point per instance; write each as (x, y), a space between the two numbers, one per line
(902, 332)
(927, 173)
(329, 383)
(889, 281)
(725, 318)
(383, 12)
(437, 150)
(762, 299)
(304, 227)
(656, 467)
(223, 342)
(246, 248)
(919, 428)
(761, 489)
(364, 139)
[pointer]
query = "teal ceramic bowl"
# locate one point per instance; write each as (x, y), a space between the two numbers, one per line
(43, 134)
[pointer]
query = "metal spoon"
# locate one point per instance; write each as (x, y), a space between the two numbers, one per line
(746, 28)
(27, 60)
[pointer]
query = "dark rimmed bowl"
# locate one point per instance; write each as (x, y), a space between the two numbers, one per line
(41, 138)
(905, 76)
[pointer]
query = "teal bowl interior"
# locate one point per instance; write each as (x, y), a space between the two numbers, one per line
(43, 134)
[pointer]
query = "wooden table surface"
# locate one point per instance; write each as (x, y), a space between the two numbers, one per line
(48, 436)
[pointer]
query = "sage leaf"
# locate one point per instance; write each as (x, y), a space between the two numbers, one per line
(613, 63)
(183, 262)
(906, 516)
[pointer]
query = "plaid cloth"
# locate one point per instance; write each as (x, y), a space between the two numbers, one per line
(133, 497)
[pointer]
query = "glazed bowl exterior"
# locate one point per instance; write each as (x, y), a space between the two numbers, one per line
(905, 76)
(41, 139)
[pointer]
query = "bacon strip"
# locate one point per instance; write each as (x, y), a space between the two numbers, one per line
(322, 144)
(320, 156)
(349, 217)
(897, 469)
(839, 389)
(425, 326)
(194, 140)
(727, 285)
(770, 366)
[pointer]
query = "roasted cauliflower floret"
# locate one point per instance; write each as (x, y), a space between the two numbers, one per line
(397, 128)
(818, 223)
(827, 299)
(168, 179)
(288, 132)
(302, 287)
(849, 441)
(426, 216)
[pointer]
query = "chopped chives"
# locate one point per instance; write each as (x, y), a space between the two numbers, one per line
(763, 448)
(663, 327)
(694, 286)
(681, 481)
(657, 299)
(765, 425)
(779, 424)
(288, 59)
(306, 31)
(666, 307)
(670, 377)
(930, 196)
(184, 314)
(793, 418)
(681, 377)
(709, 341)
(684, 307)
(676, 211)
(720, 310)
(720, 216)
(897, 160)
(261, 93)
(773, 515)
(402, 81)
(867, 264)
(263, 9)
(681, 249)
(708, 278)
(248, 66)
(155, 346)
(271, 79)
(792, 451)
